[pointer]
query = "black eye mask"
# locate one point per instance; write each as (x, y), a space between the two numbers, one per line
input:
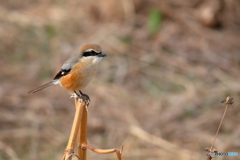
(90, 53)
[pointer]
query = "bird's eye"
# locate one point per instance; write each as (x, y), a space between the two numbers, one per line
(90, 53)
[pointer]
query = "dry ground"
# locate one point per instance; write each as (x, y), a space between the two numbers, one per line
(169, 65)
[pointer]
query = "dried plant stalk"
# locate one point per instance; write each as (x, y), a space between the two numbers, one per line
(82, 152)
(227, 101)
(80, 106)
(79, 128)
(104, 151)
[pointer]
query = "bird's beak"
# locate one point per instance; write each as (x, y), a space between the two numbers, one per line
(102, 54)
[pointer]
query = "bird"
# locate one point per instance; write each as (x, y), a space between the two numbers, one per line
(78, 70)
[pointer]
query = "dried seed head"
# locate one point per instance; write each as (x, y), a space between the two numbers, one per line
(228, 100)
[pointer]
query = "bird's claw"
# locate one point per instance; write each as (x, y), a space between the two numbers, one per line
(84, 97)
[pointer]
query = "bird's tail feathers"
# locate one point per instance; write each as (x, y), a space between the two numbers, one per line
(43, 86)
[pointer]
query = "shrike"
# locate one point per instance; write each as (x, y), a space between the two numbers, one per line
(78, 70)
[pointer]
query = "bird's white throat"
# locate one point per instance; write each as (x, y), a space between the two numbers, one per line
(96, 60)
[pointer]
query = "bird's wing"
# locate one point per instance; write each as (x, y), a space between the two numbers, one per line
(70, 62)
(66, 67)
(61, 73)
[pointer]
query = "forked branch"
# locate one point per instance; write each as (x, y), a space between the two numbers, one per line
(79, 129)
(80, 106)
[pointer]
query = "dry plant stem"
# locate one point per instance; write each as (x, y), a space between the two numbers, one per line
(80, 105)
(82, 152)
(219, 127)
(79, 128)
(104, 151)
(211, 148)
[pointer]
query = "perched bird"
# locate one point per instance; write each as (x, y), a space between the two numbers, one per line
(78, 70)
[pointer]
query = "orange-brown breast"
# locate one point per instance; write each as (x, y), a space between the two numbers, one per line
(72, 81)
(79, 76)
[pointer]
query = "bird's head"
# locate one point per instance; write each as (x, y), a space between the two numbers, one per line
(91, 53)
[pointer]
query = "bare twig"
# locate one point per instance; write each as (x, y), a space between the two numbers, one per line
(104, 151)
(227, 101)
(80, 106)
(82, 152)
(79, 128)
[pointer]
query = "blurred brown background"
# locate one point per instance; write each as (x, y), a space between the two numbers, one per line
(169, 65)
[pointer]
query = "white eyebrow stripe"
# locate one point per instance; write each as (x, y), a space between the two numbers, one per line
(89, 50)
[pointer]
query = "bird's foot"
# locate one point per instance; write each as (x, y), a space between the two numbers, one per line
(82, 96)
(85, 96)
